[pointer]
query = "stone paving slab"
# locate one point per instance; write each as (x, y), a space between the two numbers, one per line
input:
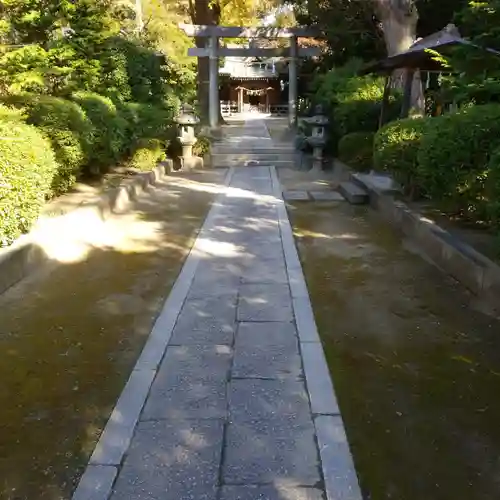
(207, 320)
(274, 492)
(186, 398)
(326, 196)
(265, 303)
(261, 399)
(270, 271)
(196, 362)
(266, 350)
(296, 195)
(271, 449)
(172, 460)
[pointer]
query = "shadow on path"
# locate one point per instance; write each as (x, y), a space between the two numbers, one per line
(70, 335)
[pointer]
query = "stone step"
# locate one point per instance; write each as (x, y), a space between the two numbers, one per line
(268, 157)
(353, 193)
(252, 162)
(245, 149)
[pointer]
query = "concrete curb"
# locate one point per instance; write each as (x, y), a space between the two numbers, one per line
(337, 464)
(25, 256)
(456, 258)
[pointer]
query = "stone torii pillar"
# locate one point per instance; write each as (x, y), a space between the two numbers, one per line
(213, 86)
(292, 83)
(213, 52)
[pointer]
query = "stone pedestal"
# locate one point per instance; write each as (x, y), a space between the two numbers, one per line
(317, 158)
(191, 163)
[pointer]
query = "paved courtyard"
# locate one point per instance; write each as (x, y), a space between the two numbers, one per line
(231, 398)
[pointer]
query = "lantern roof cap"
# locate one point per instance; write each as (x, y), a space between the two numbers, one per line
(186, 116)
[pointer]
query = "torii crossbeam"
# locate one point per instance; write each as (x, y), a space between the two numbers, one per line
(213, 52)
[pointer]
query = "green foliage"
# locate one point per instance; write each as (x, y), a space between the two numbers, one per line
(202, 146)
(356, 149)
(70, 131)
(454, 155)
(148, 153)
(27, 167)
(353, 103)
(396, 149)
(475, 77)
(110, 138)
(155, 121)
(360, 104)
(356, 32)
(78, 71)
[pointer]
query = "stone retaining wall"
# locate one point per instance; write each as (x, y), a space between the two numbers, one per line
(27, 254)
(471, 268)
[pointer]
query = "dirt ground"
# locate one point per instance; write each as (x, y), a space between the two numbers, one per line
(415, 366)
(70, 336)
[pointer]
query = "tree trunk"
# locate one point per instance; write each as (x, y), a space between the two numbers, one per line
(399, 22)
(200, 14)
(204, 12)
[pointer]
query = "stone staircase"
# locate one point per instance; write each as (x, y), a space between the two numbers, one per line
(249, 145)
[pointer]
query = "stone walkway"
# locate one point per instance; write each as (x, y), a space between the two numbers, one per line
(231, 398)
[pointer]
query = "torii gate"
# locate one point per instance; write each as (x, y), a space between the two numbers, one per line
(213, 52)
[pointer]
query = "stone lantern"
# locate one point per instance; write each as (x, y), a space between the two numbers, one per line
(317, 140)
(186, 120)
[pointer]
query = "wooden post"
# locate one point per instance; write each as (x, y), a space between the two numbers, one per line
(292, 83)
(385, 102)
(408, 84)
(213, 87)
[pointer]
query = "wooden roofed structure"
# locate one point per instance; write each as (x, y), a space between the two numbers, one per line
(421, 56)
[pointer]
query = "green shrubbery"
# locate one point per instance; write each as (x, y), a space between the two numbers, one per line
(86, 136)
(353, 103)
(97, 94)
(453, 159)
(110, 137)
(27, 168)
(356, 149)
(454, 155)
(202, 146)
(147, 154)
(69, 130)
(396, 149)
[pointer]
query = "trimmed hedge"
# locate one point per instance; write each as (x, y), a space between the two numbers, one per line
(27, 168)
(148, 153)
(110, 139)
(356, 149)
(70, 132)
(396, 149)
(454, 155)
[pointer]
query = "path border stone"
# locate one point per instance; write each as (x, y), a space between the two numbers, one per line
(450, 254)
(337, 463)
(97, 481)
